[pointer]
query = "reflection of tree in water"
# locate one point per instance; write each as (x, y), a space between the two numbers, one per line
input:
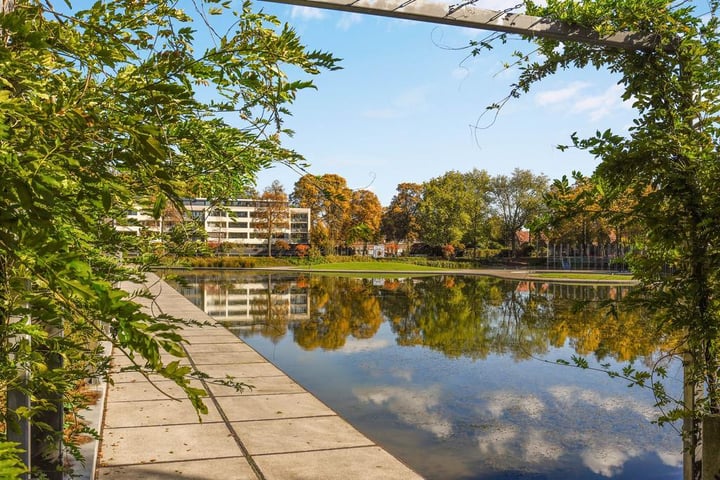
(476, 317)
(618, 332)
(442, 315)
(339, 307)
(270, 310)
(459, 316)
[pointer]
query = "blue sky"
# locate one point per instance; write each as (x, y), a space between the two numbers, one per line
(403, 107)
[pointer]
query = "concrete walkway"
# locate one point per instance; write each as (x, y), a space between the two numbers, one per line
(276, 431)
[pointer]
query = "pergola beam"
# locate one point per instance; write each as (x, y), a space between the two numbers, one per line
(467, 15)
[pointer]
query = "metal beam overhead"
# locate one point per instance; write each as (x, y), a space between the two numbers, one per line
(467, 15)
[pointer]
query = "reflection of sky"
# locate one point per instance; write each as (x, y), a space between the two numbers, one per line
(354, 345)
(416, 407)
(604, 430)
(510, 442)
(570, 396)
(522, 421)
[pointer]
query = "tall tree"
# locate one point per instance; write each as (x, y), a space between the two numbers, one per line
(477, 191)
(328, 198)
(98, 107)
(365, 216)
(272, 213)
(399, 222)
(443, 214)
(516, 199)
(667, 163)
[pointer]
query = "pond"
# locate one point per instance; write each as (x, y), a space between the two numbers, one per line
(458, 376)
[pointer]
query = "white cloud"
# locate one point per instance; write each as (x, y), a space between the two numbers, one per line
(602, 105)
(571, 396)
(412, 98)
(575, 100)
(403, 105)
(416, 407)
(499, 402)
(539, 449)
(529, 431)
(552, 97)
(606, 460)
(509, 442)
(306, 13)
(347, 20)
(402, 373)
(460, 73)
(499, 441)
(354, 346)
(674, 459)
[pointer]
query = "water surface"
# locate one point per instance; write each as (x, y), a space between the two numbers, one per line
(457, 376)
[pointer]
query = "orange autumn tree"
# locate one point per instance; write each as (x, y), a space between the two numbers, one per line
(272, 213)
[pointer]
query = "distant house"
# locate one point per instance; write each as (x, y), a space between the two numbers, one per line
(231, 222)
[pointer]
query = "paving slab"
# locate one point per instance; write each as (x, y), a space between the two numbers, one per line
(139, 413)
(242, 371)
(272, 407)
(166, 443)
(367, 463)
(234, 468)
(268, 385)
(221, 357)
(197, 346)
(300, 435)
(275, 431)
(133, 391)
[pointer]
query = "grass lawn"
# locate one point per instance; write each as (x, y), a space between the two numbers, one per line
(372, 267)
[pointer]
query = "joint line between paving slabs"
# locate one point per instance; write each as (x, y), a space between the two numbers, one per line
(255, 467)
(314, 450)
(283, 419)
(161, 462)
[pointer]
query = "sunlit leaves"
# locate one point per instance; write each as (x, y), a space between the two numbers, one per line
(329, 200)
(400, 219)
(101, 110)
(272, 213)
(10, 464)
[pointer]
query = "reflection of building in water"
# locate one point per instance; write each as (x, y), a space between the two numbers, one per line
(251, 301)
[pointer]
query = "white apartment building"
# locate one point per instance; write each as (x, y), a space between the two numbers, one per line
(231, 222)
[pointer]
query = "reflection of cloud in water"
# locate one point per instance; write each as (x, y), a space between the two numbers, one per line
(526, 431)
(674, 459)
(353, 345)
(498, 402)
(607, 460)
(417, 407)
(509, 441)
(569, 396)
(402, 373)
